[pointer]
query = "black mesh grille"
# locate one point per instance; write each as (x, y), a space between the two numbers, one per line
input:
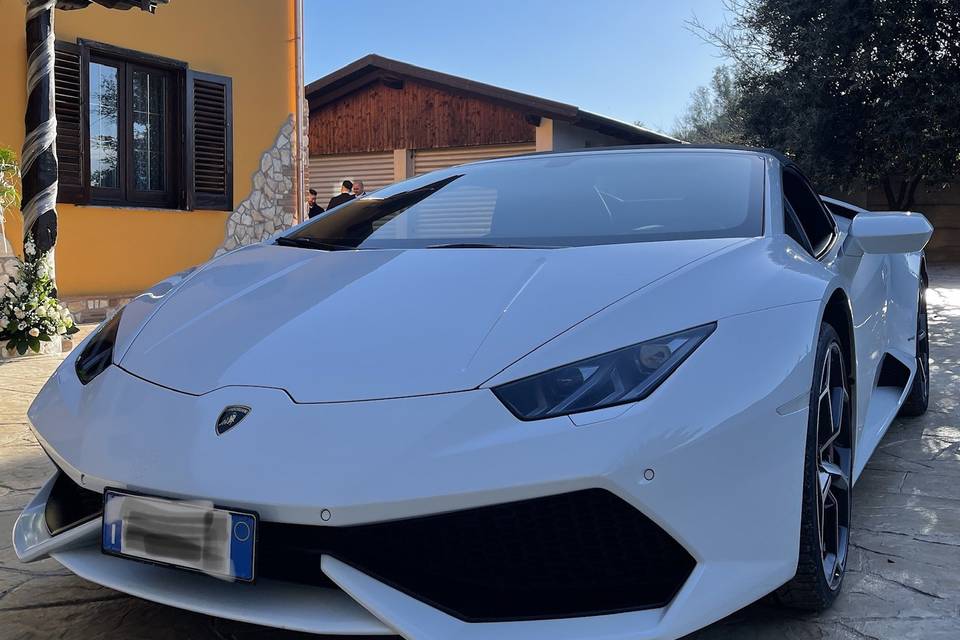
(574, 554)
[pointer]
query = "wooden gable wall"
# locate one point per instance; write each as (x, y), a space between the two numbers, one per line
(416, 116)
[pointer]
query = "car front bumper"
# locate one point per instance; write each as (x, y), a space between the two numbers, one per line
(714, 458)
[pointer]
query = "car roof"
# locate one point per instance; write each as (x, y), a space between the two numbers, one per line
(684, 147)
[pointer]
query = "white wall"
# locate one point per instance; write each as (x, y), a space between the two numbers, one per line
(568, 136)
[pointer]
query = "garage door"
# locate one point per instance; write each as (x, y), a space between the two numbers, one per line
(426, 160)
(327, 172)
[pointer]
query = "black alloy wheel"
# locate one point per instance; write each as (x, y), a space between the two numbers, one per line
(827, 491)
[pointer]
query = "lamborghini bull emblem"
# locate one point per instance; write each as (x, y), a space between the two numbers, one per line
(231, 417)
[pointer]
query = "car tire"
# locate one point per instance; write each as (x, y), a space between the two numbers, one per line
(827, 488)
(919, 397)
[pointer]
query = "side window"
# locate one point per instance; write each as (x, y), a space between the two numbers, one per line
(792, 226)
(812, 218)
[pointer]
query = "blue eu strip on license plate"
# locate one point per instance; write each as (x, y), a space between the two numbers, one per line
(190, 535)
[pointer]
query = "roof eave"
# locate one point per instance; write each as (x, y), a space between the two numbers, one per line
(612, 126)
(372, 64)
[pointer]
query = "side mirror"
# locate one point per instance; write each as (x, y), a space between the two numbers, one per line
(887, 232)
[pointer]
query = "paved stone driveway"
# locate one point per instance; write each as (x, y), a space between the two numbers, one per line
(903, 581)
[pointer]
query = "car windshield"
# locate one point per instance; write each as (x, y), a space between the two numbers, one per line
(558, 200)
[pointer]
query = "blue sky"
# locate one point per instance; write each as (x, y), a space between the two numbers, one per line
(629, 59)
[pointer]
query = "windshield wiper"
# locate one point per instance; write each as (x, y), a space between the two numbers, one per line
(487, 245)
(310, 243)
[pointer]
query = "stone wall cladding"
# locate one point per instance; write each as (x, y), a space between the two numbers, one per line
(270, 207)
(94, 308)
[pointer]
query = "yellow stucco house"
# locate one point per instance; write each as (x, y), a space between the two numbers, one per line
(179, 134)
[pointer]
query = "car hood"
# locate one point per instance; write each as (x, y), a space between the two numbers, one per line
(373, 324)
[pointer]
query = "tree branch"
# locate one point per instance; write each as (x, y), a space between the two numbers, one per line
(888, 192)
(912, 191)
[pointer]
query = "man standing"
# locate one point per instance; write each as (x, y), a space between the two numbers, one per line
(315, 209)
(344, 196)
(358, 191)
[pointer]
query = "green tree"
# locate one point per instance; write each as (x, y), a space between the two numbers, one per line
(858, 91)
(9, 195)
(713, 115)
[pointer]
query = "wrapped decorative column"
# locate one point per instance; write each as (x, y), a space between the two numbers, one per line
(38, 162)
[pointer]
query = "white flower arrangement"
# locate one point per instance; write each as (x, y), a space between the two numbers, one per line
(29, 311)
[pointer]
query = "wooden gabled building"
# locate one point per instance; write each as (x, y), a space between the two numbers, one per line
(381, 121)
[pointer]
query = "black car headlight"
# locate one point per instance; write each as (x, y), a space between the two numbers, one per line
(616, 377)
(98, 353)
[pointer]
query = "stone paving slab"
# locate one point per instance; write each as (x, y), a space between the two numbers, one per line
(903, 579)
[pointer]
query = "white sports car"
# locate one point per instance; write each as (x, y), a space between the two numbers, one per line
(612, 394)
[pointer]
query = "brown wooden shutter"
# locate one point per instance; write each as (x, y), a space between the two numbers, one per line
(69, 91)
(210, 141)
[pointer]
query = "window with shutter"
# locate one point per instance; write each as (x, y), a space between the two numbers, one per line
(210, 131)
(141, 130)
(69, 100)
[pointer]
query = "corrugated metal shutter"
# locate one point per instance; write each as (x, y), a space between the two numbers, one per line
(327, 172)
(426, 160)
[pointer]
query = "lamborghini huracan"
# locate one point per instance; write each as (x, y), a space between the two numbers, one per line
(611, 393)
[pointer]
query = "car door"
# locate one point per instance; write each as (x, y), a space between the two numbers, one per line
(867, 281)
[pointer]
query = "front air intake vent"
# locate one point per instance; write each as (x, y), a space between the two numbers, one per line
(70, 505)
(574, 554)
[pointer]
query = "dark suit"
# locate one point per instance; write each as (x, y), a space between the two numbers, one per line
(337, 200)
(315, 210)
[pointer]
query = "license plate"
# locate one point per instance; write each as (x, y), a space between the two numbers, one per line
(189, 535)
